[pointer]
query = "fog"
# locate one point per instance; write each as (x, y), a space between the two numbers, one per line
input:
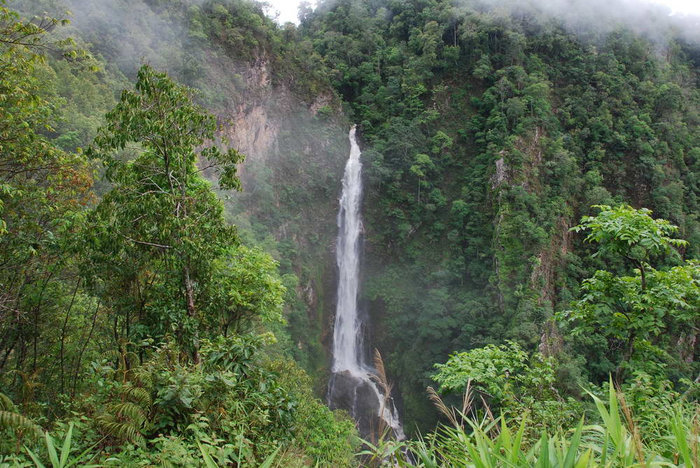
(591, 18)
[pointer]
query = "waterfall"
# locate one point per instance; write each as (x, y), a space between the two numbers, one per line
(347, 333)
(352, 386)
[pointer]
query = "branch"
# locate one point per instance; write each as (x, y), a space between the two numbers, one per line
(152, 244)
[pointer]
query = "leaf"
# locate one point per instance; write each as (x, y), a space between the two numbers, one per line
(34, 458)
(12, 420)
(65, 450)
(51, 449)
(208, 460)
(572, 450)
(269, 460)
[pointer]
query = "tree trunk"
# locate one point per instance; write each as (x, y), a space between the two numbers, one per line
(191, 311)
(63, 336)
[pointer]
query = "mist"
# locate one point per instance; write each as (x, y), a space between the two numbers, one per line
(588, 19)
(592, 18)
(262, 116)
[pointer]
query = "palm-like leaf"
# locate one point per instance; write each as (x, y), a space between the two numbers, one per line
(18, 422)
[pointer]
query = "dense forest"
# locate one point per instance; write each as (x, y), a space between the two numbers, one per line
(169, 183)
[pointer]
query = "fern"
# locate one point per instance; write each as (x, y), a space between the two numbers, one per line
(127, 408)
(18, 422)
(11, 419)
(6, 403)
(124, 421)
(139, 394)
(130, 411)
(125, 431)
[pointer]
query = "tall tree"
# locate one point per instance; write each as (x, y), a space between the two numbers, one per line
(641, 321)
(160, 231)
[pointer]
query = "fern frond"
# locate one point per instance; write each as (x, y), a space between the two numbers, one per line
(131, 411)
(16, 421)
(111, 354)
(142, 375)
(139, 395)
(123, 431)
(6, 403)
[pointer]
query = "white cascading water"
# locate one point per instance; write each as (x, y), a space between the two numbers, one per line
(347, 333)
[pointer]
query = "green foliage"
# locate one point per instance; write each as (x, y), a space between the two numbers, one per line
(501, 442)
(154, 261)
(510, 381)
(42, 191)
(247, 287)
(62, 459)
(491, 369)
(14, 424)
(326, 437)
(630, 233)
(486, 134)
(234, 407)
(488, 131)
(635, 322)
(161, 228)
(172, 131)
(624, 313)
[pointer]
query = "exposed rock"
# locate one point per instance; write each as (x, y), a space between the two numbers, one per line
(358, 398)
(500, 175)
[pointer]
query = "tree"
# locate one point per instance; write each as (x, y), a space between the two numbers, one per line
(42, 189)
(638, 318)
(245, 287)
(510, 380)
(159, 234)
(630, 233)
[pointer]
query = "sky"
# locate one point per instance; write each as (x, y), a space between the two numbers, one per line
(288, 8)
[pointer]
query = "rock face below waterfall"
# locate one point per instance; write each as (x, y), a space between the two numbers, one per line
(356, 396)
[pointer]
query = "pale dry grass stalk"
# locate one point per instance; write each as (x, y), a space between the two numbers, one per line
(442, 407)
(467, 398)
(457, 417)
(489, 417)
(633, 428)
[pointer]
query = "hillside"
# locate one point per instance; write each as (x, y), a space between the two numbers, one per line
(490, 132)
(530, 230)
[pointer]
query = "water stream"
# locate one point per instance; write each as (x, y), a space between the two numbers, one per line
(352, 385)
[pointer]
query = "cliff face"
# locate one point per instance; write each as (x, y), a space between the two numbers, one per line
(291, 180)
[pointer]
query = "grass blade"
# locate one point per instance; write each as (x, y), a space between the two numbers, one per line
(65, 450)
(51, 449)
(269, 460)
(34, 458)
(572, 451)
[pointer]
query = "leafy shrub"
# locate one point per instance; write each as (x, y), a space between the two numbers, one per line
(519, 385)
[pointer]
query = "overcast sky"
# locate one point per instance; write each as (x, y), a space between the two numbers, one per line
(288, 8)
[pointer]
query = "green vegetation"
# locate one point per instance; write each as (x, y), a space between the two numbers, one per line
(531, 228)
(133, 325)
(489, 132)
(635, 322)
(488, 442)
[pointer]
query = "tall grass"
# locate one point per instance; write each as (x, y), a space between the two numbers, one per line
(488, 442)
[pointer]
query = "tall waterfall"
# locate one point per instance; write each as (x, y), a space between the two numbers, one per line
(352, 386)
